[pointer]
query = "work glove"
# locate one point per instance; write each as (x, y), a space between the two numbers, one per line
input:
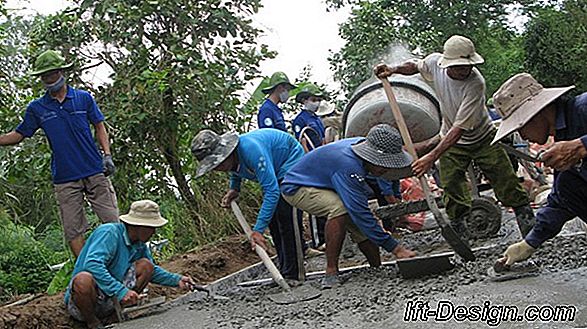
(517, 252)
(109, 167)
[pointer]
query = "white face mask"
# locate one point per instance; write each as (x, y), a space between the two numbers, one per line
(283, 96)
(312, 106)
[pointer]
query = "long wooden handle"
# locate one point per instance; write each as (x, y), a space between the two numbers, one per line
(403, 129)
(260, 251)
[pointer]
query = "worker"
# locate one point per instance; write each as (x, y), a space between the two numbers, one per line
(538, 113)
(115, 266)
(78, 169)
(263, 155)
(310, 97)
(467, 133)
(270, 115)
(339, 192)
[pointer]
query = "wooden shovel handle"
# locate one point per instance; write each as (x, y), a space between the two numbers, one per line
(277, 277)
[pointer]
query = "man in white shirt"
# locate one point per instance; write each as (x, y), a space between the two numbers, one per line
(466, 132)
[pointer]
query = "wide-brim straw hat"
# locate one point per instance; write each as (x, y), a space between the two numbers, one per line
(383, 148)
(144, 213)
(459, 50)
(210, 149)
(520, 99)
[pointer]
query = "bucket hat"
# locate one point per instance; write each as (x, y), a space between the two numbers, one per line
(210, 149)
(144, 213)
(309, 89)
(49, 60)
(520, 99)
(276, 79)
(325, 108)
(383, 148)
(459, 50)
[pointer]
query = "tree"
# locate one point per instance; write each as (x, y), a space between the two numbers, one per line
(556, 45)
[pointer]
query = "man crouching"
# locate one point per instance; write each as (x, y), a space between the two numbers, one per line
(116, 263)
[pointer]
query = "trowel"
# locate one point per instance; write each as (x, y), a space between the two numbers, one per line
(500, 272)
(209, 294)
(451, 237)
(289, 295)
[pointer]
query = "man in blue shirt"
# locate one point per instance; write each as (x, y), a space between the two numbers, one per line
(538, 113)
(79, 170)
(115, 263)
(330, 181)
(265, 156)
(270, 115)
(310, 97)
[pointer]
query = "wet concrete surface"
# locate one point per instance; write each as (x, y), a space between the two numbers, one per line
(378, 298)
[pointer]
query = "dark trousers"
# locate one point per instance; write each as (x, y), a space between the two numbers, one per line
(282, 232)
(317, 227)
(566, 201)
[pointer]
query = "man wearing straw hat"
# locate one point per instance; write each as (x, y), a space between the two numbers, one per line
(467, 133)
(330, 182)
(79, 170)
(270, 115)
(115, 263)
(265, 156)
(538, 113)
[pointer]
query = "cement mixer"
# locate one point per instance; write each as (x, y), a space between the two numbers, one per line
(369, 106)
(420, 108)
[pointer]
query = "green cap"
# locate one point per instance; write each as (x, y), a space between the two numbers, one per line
(276, 79)
(309, 89)
(50, 60)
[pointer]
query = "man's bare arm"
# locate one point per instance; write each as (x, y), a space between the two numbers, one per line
(406, 68)
(102, 137)
(11, 138)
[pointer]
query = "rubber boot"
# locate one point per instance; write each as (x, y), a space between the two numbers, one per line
(459, 225)
(525, 219)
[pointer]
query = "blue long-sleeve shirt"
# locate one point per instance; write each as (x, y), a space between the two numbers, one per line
(309, 119)
(109, 253)
(265, 155)
(270, 116)
(336, 167)
(571, 123)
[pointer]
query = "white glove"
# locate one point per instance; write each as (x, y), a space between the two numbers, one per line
(517, 252)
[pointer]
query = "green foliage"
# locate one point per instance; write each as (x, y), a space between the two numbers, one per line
(24, 261)
(556, 45)
(61, 279)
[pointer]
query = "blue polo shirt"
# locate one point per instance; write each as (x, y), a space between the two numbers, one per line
(308, 119)
(109, 253)
(336, 167)
(265, 156)
(67, 127)
(270, 116)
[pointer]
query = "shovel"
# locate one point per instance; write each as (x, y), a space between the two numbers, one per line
(289, 295)
(447, 232)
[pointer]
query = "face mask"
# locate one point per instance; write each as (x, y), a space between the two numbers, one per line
(55, 86)
(283, 96)
(312, 106)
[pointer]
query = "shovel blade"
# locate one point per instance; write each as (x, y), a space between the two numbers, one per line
(416, 267)
(455, 242)
(299, 294)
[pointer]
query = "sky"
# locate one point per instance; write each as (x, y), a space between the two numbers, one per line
(301, 31)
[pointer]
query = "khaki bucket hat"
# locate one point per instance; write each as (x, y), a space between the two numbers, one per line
(459, 50)
(49, 60)
(325, 108)
(210, 149)
(144, 213)
(520, 99)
